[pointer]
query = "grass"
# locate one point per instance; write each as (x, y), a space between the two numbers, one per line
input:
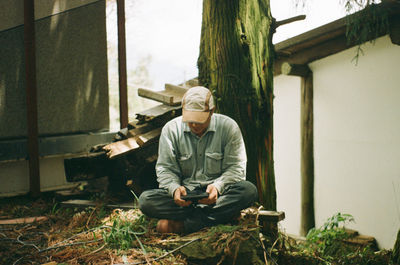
(98, 235)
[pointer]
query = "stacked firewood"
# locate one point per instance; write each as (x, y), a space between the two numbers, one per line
(131, 156)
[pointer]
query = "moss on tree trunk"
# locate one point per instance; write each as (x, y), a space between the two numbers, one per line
(236, 63)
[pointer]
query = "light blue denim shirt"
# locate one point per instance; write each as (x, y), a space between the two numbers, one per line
(218, 157)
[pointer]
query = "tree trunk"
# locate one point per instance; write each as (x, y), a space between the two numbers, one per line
(236, 64)
(396, 250)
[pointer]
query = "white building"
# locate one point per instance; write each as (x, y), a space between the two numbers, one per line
(356, 130)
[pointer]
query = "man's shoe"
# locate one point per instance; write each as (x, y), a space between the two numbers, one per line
(170, 226)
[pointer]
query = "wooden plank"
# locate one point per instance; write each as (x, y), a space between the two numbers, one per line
(362, 240)
(351, 232)
(160, 114)
(126, 146)
(264, 215)
(120, 147)
(141, 130)
(160, 96)
(23, 220)
(148, 137)
(156, 111)
(172, 95)
(181, 90)
(86, 203)
(271, 216)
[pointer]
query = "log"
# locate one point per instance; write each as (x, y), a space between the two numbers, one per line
(301, 70)
(307, 155)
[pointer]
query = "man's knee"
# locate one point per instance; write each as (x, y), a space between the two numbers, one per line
(248, 191)
(145, 204)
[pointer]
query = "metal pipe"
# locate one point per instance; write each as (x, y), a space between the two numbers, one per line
(123, 90)
(31, 97)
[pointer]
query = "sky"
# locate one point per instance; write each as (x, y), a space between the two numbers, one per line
(167, 33)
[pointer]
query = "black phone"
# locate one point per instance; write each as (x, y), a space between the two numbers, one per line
(194, 195)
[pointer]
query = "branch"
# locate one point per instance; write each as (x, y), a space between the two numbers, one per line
(289, 20)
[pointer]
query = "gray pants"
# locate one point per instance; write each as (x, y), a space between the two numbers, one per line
(157, 203)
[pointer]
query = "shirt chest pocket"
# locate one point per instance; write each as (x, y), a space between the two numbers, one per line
(186, 164)
(213, 163)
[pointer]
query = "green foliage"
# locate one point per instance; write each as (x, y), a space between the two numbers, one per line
(326, 240)
(365, 25)
(123, 234)
(327, 245)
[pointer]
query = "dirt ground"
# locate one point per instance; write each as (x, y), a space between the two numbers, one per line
(98, 234)
(68, 235)
(91, 235)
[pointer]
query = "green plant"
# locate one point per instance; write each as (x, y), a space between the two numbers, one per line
(366, 25)
(327, 240)
(123, 233)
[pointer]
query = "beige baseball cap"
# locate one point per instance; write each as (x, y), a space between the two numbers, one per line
(197, 104)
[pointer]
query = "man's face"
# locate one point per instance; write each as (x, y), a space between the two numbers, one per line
(200, 128)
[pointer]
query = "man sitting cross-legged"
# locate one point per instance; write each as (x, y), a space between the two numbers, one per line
(199, 151)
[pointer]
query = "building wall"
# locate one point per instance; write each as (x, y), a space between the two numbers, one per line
(71, 64)
(356, 141)
(72, 88)
(14, 176)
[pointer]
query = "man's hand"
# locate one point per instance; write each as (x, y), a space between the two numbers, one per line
(212, 195)
(177, 197)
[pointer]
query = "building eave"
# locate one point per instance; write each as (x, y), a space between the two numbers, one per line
(323, 41)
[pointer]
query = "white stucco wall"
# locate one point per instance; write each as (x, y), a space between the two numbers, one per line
(287, 149)
(356, 141)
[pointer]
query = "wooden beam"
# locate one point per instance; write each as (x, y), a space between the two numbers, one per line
(295, 69)
(158, 111)
(289, 20)
(307, 155)
(123, 87)
(31, 97)
(271, 216)
(325, 40)
(132, 144)
(88, 203)
(172, 95)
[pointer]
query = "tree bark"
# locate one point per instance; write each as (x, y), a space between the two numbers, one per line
(236, 64)
(307, 155)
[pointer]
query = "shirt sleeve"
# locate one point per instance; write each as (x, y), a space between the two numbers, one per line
(234, 160)
(167, 168)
